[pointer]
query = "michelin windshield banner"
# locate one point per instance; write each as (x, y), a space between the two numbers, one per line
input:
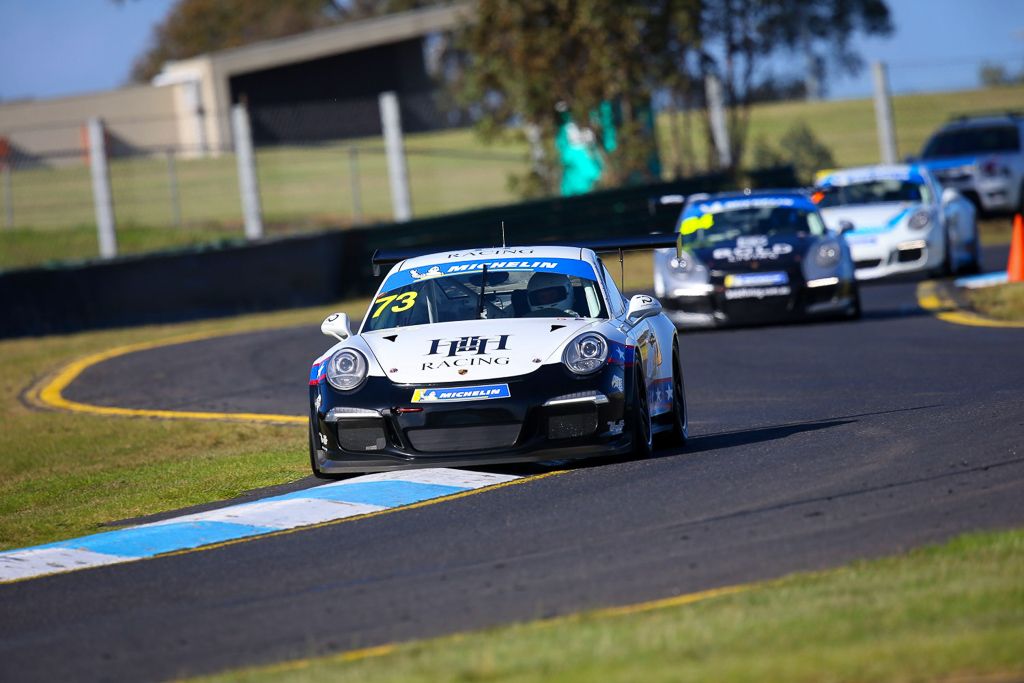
(540, 265)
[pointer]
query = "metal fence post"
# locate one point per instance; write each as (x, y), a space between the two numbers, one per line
(883, 114)
(8, 195)
(248, 183)
(719, 129)
(353, 174)
(102, 197)
(398, 172)
(172, 186)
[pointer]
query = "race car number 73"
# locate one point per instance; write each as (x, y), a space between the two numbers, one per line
(403, 302)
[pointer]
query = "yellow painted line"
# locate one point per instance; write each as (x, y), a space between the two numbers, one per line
(665, 603)
(942, 307)
(389, 648)
(51, 394)
(975, 320)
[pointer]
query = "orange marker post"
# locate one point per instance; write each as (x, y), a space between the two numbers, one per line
(1015, 266)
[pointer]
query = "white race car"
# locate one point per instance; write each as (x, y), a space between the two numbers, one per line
(493, 356)
(898, 219)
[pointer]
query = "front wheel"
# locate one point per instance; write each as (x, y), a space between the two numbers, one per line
(312, 454)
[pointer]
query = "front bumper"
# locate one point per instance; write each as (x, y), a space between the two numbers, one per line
(549, 414)
(884, 256)
(829, 296)
(990, 193)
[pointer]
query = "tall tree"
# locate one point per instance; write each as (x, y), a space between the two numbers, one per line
(738, 36)
(527, 57)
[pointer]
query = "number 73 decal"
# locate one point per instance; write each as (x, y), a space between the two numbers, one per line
(402, 302)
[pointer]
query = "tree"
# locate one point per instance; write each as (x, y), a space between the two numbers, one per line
(197, 26)
(737, 36)
(527, 57)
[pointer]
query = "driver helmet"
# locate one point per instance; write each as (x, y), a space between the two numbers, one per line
(549, 291)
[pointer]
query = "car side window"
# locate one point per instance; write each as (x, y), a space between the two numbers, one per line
(615, 300)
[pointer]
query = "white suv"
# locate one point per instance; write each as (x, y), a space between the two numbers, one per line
(981, 156)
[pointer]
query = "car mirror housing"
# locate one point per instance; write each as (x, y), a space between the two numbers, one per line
(642, 306)
(950, 195)
(845, 227)
(337, 325)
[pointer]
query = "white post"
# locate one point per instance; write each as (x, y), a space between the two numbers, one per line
(719, 129)
(102, 198)
(883, 114)
(398, 172)
(8, 194)
(248, 183)
(353, 174)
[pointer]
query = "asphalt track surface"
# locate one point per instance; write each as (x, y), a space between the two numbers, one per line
(811, 445)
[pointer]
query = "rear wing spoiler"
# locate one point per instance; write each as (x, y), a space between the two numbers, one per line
(657, 240)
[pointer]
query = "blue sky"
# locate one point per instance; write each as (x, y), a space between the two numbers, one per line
(60, 47)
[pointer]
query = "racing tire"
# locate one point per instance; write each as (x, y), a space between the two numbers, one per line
(856, 312)
(680, 432)
(312, 457)
(643, 430)
(973, 266)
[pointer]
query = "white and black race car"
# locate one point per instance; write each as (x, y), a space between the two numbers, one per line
(494, 356)
(897, 219)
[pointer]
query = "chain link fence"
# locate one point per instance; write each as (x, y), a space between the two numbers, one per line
(173, 196)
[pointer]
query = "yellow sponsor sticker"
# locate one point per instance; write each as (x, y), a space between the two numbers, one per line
(694, 223)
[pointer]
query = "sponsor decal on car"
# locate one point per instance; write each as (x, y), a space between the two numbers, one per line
(756, 292)
(479, 393)
(757, 279)
(466, 351)
(756, 248)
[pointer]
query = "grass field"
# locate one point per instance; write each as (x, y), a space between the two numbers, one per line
(63, 474)
(1002, 302)
(954, 612)
(306, 188)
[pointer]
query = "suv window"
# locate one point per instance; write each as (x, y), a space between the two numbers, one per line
(974, 140)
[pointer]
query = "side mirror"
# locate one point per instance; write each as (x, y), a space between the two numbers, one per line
(337, 325)
(910, 159)
(950, 195)
(845, 227)
(642, 306)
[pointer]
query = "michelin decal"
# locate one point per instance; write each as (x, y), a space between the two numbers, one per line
(478, 393)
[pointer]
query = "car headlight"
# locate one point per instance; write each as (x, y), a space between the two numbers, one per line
(920, 220)
(346, 369)
(827, 254)
(686, 266)
(586, 353)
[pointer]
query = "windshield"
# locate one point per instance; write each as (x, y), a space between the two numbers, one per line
(487, 295)
(872, 192)
(699, 227)
(977, 140)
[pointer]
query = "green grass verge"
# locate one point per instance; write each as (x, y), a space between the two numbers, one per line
(65, 474)
(954, 611)
(1001, 302)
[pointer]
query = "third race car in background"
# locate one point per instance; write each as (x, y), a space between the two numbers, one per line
(754, 257)
(898, 219)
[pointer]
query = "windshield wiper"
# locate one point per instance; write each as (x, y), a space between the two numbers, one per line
(480, 303)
